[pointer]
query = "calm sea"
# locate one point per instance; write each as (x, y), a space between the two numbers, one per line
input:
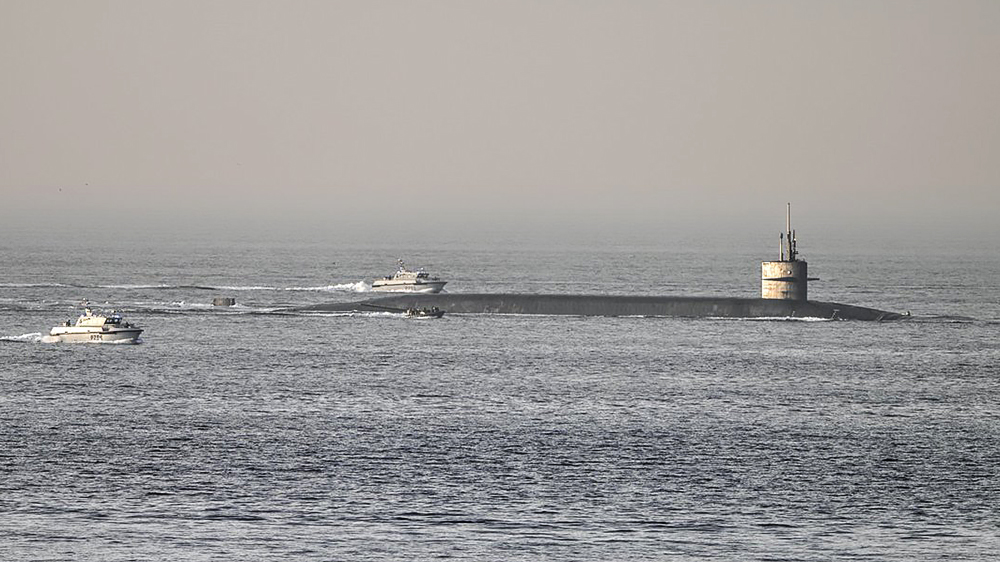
(250, 433)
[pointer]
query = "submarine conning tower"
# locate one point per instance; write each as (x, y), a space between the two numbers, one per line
(788, 277)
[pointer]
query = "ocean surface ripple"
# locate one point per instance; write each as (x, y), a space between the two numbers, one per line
(244, 433)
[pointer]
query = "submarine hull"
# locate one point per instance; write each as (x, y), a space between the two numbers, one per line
(612, 305)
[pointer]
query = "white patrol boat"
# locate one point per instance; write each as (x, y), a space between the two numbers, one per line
(407, 281)
(95, 328)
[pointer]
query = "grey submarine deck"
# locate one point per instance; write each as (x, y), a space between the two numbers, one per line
(611, 305)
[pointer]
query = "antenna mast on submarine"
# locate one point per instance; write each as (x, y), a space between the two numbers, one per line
(788, 236)
(788, 277)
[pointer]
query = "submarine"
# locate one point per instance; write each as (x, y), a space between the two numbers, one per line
(784, 294)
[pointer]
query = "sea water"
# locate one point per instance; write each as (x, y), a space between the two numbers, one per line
(252, 432)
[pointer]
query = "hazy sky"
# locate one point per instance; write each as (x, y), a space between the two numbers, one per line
(616, 114)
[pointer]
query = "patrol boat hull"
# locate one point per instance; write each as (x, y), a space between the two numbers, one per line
(406, 281)
(407, 287)
(95, 328)
(77, 335)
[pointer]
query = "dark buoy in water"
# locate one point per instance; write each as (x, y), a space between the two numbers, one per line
(224, 301)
